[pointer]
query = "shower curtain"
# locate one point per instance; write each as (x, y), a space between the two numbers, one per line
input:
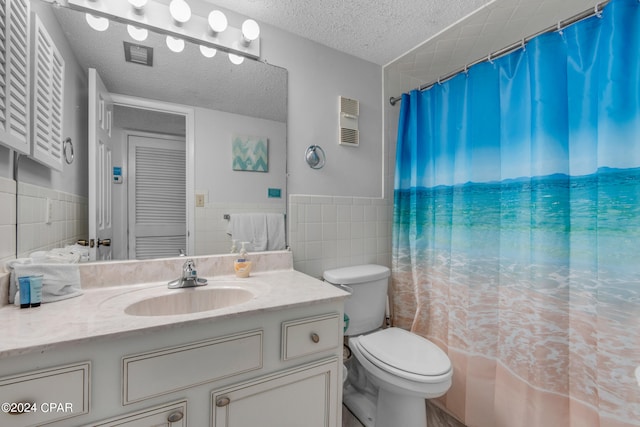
(516, 240)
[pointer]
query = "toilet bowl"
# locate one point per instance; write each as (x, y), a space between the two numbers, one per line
(393, 370)
(405, 369)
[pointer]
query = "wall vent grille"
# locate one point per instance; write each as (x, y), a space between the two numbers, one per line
(349, 112)
(138, 54)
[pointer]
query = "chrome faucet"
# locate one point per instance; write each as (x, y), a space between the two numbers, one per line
(189, 278)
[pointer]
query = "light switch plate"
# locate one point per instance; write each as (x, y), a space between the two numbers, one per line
(199, 200)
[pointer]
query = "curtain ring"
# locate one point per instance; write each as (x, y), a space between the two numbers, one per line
(489, 59)
(597, 12)
(560, 27)
(67, 150)
(523, 45)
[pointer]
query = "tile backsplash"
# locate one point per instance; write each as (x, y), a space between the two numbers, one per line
(328, 232)
(49, 219)
(8, 220)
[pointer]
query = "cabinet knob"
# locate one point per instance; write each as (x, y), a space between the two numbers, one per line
(175, 416)
(315, 338)
(223, 401)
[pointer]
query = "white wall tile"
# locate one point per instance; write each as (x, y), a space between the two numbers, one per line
(353, 230)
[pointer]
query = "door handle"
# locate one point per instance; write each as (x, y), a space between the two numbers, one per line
(82, 242)
(104, 242)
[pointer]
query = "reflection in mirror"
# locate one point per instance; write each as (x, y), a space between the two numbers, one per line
(233, 107)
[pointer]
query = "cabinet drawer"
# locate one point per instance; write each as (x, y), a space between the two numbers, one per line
(170, 415)
(47, 395)
(163, 371)
(310, 335)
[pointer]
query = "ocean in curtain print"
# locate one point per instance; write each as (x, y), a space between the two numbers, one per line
(542, 274)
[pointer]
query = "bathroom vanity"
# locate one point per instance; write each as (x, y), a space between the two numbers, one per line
(269, 353)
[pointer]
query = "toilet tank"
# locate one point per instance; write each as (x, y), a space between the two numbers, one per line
(367, 303)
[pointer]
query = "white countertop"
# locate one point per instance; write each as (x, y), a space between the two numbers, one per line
(99, 312)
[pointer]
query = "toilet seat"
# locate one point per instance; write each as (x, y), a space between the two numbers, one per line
(405, 354)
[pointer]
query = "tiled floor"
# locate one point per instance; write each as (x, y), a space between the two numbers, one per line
(435, 418)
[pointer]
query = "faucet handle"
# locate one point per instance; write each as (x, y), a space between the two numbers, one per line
(189, 269)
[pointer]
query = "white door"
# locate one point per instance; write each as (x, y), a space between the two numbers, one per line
(100, 168)
(157, 197)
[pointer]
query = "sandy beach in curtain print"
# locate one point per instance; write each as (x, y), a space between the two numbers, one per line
(540, 274)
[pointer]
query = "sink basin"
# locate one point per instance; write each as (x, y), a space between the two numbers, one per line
(191, 300)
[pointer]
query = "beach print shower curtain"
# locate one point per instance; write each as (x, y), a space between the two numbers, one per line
(516, 241)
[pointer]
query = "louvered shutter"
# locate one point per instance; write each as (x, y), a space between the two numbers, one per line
(48, 93)
(14, 74)
(160, 201)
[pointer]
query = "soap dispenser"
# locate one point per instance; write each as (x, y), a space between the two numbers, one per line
(242, 265)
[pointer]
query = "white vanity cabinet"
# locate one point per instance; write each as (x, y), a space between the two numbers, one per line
(279, 368)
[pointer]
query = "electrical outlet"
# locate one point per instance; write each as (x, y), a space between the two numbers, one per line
(199, 200)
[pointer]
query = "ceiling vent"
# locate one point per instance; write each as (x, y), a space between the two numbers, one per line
(138, 54)
(349, 112)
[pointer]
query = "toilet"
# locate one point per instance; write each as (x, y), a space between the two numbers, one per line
(393, 370)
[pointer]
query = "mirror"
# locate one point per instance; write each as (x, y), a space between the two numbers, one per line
(230, 102)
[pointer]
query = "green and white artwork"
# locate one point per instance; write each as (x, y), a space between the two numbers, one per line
(250, 153)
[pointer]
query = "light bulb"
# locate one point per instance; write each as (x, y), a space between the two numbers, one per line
(98, 23)
(180, 11)
(207, 52)
(250, 30)
(217, 21)
(176, 45)
(139, 34)
(138, 4)
(236, 59)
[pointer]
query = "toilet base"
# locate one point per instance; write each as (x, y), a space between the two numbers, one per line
(387, 409)
(363, 406)
(395, 410)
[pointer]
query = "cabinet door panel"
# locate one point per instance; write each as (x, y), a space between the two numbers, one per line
(302, 396)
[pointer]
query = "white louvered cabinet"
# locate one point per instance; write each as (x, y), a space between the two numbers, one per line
(48, 97)
(14, 74)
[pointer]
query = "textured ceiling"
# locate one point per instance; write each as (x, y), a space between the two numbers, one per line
(378, 31)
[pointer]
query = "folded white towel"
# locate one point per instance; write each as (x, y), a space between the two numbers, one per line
(60, 281)
(263, 231)
(250, 227)
(275, 232)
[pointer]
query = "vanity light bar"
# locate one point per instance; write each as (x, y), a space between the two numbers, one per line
(155, 16)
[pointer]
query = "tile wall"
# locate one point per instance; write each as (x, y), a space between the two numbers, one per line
(7, 232)
(49, 219)
(7, 220)
(328, 232)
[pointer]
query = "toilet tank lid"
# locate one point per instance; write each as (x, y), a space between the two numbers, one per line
(356, 274)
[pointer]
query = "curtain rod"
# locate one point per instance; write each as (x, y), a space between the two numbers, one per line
(597, 10)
